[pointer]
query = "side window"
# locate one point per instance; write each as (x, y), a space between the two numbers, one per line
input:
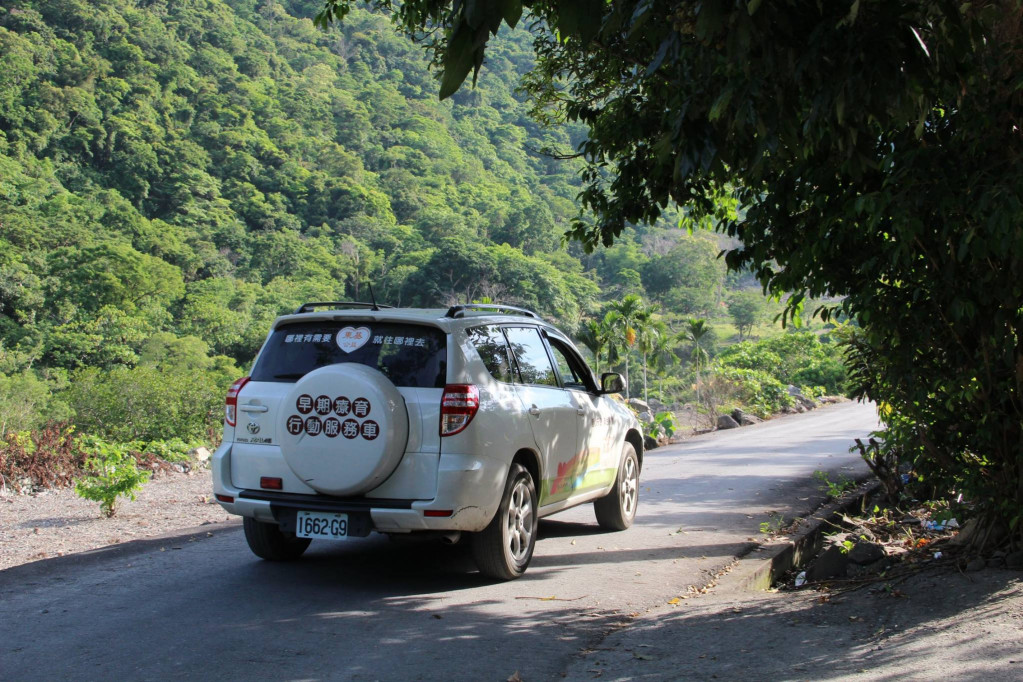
(572, 369)
(531, 356)
(493, 349)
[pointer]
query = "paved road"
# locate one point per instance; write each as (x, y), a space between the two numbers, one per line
(373, 609)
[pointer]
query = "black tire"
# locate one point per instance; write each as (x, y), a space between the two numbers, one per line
(268, 541)
(504, 548)
(617, 509)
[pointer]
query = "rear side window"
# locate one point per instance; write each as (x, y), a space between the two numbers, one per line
(493, 349)
(531, 356)
(407, 354)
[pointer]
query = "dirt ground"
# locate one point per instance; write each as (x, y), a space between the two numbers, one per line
(58, 522)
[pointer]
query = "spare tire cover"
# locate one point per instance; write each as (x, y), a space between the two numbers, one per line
(343, 428)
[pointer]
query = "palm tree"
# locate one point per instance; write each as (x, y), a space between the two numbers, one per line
(662, 355)
(695, 333)
(611, 331)
(628, 310)
(594, 337)
(648, 331)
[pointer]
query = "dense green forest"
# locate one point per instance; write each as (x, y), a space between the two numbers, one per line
(176, 173)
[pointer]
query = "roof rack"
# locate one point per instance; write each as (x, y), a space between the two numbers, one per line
(308, 307)
(459, 310)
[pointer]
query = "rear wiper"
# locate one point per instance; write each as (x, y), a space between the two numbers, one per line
(289, 376)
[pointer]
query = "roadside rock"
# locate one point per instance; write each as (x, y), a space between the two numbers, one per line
(745, 418)
(1014, 560)
(976, 564)
(801, 400)
(646, 417)
(638, 405)
(856, 570)
(864, 553)
(649, 443)
(726, 422)
(201, 456)
(833, 563)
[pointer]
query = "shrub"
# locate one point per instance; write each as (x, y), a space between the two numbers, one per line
(146, 403)
(757, 390)
(114, 474)
(798, 358)
(26, 402)
(664, 423)
(49, 457)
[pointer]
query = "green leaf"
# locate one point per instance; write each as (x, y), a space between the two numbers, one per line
(710, 20)
(854, 12)
(659, 57)
(753, 6)
(580, 18)
(511, 10)
(458, 60)
(720, 104)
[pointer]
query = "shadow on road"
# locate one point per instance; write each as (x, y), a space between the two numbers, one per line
(935, 626)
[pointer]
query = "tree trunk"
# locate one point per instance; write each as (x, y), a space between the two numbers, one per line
(627, 396)
(646, 397)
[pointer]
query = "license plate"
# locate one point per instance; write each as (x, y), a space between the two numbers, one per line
(321, 526)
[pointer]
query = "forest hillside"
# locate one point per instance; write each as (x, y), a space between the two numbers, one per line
(176, 173)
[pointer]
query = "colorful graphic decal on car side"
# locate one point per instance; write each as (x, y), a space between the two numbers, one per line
(581, 473)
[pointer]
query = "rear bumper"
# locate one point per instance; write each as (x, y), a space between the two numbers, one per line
(470, 488)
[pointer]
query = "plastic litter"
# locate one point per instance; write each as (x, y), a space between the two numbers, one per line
(941, 525)
(938, 555)
(801, 579)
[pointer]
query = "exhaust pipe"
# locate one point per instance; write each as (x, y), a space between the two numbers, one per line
(451, 538)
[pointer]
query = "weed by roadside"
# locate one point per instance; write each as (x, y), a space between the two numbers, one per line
(833, 489)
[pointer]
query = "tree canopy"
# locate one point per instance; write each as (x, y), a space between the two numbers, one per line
(871, 147)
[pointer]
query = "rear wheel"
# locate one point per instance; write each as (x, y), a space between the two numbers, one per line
(617, 509)
(504, 548)
(268, 541)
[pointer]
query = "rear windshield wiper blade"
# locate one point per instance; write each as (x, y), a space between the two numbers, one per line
(297, 375)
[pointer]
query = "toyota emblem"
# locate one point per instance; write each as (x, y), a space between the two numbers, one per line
(253, 428)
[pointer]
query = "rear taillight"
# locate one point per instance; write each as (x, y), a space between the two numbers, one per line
(231, 404)
(457, 407)
(271, 483)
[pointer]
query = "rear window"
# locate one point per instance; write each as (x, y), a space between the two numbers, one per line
(407, 354)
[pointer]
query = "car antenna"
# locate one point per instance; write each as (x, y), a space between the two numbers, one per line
(372, 298)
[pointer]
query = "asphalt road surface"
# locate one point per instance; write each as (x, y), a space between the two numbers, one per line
(372, 609)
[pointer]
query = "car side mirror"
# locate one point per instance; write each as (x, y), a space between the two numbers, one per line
(611, 382)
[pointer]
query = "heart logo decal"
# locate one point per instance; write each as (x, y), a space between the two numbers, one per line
(352, 338)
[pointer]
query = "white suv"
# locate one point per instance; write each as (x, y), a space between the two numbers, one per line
(476, 419)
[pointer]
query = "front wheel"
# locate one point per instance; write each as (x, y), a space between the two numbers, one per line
(617, 509)
(268, 541)
(503, 549)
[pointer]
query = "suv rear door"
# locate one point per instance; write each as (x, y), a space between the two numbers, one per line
(412, 356)
(596, 437)
(553, 413)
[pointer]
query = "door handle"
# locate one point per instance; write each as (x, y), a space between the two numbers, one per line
(534, 410)
(253, 408)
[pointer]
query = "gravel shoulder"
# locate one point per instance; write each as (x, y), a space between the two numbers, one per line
(937, 624)
(56, 523)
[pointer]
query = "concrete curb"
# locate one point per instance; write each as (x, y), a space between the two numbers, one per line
(9, 577)
(759, 572)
